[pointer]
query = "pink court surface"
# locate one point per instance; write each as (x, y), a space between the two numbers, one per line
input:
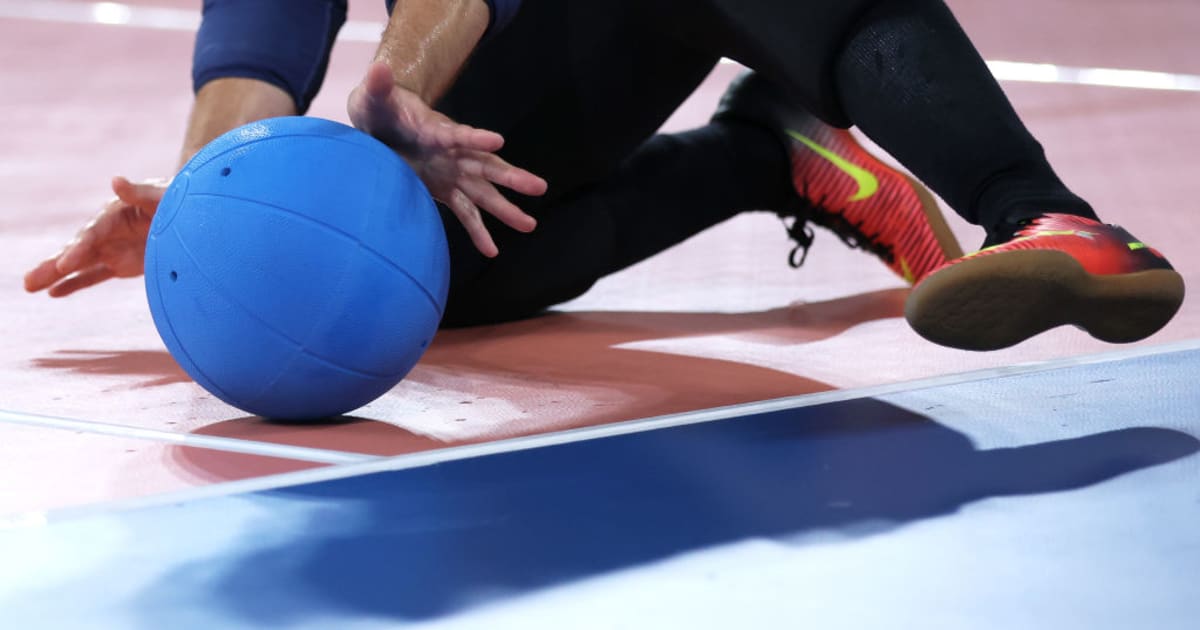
(95, 413)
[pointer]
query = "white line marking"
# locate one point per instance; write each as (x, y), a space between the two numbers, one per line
(118, 14)
(105, 13)
(213, 442)
(1106, 77)
(157, 18)
(427, 458)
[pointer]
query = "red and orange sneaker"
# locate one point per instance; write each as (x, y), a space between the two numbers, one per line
(844, 188)
(1057, 269)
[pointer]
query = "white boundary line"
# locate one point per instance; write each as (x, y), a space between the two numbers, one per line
(135, 16)
(235, 445)
(118, 14)
(1102, 77)
(427, 458)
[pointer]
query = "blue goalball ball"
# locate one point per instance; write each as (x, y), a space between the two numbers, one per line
(297, 268)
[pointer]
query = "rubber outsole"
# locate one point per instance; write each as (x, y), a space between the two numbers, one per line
(999, 300)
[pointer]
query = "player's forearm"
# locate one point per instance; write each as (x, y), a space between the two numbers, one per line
(427, 42)
(225, 104)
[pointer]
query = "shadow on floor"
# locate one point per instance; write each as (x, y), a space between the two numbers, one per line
(429, 542)
(146, 368)
(564, 371)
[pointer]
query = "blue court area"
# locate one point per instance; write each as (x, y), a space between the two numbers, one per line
(1062, 497)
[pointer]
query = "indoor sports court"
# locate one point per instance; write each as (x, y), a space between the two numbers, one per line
(709, 439)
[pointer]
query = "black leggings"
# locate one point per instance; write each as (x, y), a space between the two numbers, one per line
(579, 88)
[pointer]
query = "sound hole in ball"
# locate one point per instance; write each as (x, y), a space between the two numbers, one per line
(174, 276)
(226, 171)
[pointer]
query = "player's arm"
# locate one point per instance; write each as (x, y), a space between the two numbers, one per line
(424, 47)
(257, 59)
(228, 103)
(248, 65)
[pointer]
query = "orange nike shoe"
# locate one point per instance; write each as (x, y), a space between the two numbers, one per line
(1057, 270)
(844, 188)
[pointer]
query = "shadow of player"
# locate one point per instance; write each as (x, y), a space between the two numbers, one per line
(428, 542)
(567, 352)
(151, 368)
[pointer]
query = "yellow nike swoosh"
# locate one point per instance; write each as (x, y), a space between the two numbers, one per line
(909, 276)
(868, 185)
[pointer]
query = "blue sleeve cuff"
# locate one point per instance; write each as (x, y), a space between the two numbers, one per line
(503, 12)
(282, 42)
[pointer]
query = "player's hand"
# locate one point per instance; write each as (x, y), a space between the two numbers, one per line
(457, 162)
(112, 245)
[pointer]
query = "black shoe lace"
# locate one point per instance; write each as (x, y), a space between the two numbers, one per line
(816, 210)
(799, 231)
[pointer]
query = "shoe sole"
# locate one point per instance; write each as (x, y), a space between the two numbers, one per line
(998, 300)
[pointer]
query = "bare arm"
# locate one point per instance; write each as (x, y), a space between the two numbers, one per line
(423, 49)
(225, 104)
(428, 41)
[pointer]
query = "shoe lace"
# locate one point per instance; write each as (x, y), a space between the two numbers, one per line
(817, 211)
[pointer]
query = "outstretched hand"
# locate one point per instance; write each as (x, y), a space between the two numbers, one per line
(457, 162)
(112, 245)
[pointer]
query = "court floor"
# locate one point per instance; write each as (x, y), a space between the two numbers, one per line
(1044, 497)
(706, 439)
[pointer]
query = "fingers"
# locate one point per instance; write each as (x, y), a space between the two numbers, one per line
(88, 277)
(468, 215)
(467, 184)
(107, 247)
(496, 170)
(379, 81)
(43, 275)
(471, 138)
(401, 119)
(144, 195)
(81, 252)
(434, 131)
(371, 107)
(74, 255)
(123, 188)
(484, 195)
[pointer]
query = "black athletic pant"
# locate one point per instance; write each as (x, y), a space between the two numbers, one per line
(579, 88)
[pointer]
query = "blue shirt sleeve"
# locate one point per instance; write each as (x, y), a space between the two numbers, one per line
(503, 12)
(282, 42)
